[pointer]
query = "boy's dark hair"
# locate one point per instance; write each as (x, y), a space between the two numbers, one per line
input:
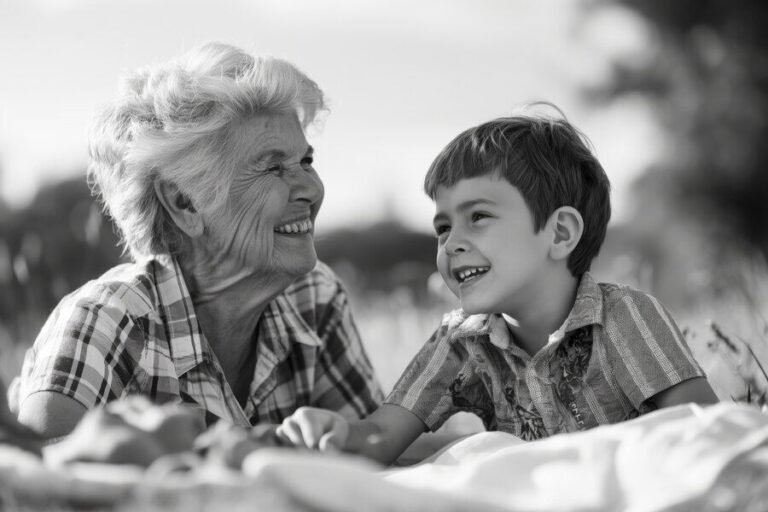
(547, 159)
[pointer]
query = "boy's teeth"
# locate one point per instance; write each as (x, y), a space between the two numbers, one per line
(471, 272)
(303, 226)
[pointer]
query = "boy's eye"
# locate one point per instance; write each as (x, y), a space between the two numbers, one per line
(441, 230)
(476, 216)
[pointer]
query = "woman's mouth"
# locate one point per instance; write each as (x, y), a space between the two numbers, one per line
(301, 227)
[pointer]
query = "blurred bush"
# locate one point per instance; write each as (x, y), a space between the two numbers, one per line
(47, 249)
(699, 235)
(701, 208)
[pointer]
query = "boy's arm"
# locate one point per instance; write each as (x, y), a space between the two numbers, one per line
(382, 436)
(648, 354)
(696, 390)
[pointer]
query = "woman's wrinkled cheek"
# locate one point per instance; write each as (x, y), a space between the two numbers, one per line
(256, 230)
(239, 229)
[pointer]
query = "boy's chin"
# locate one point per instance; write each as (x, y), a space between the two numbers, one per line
(472, 308)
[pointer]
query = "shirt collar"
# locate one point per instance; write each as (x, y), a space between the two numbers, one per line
(185, 339)
(587, 310)
(285, 324)
(588, 307)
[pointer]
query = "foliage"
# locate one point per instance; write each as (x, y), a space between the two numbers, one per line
(47, 249)
(740, 355)
(700, 226)
(707, 80)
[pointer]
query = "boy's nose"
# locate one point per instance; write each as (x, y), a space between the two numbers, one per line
(456, 244)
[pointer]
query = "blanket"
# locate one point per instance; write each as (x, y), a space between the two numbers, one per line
(688, 457)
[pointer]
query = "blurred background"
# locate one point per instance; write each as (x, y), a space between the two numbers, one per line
(673, 96)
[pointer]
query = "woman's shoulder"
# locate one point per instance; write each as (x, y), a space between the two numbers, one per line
(128, 286)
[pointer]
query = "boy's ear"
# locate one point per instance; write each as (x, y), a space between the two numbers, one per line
(180, 208)
(567, 228)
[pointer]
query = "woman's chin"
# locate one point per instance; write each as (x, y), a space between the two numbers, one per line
(298, 264)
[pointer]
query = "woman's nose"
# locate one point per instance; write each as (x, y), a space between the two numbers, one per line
(306, 186)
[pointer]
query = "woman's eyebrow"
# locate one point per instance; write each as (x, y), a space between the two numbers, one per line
(269, 154)
(277, 154)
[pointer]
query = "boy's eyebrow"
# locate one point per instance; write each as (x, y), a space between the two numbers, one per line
(463, 206)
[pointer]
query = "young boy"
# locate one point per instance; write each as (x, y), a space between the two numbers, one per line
(538, 347)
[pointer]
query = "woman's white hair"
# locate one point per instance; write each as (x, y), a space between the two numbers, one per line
(173, 122)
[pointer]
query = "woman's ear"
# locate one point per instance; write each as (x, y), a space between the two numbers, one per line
(180, 208)
(567, 228)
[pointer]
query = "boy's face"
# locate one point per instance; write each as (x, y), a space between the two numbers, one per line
(487, 251)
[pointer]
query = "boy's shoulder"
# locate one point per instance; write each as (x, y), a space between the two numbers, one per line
(614, 293)
(621, 299)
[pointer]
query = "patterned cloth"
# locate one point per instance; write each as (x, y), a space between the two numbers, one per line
(134, 331)
(617, 348)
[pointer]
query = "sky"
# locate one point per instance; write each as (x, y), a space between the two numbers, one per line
(403, 77)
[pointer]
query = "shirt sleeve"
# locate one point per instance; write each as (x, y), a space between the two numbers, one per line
(426, 386)
(344, 378)
(646, 350)
(81, 352)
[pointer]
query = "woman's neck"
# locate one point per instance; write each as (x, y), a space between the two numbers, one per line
(229, 300)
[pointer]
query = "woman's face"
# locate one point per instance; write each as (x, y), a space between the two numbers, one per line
(267, 225)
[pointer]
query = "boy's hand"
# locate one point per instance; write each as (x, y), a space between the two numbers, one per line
(318, 429)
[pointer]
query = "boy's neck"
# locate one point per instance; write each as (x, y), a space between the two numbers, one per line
(544, 312)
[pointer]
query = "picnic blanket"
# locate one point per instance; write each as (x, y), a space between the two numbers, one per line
(711, 458)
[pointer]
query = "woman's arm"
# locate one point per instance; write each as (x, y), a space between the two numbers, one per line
(51, 414)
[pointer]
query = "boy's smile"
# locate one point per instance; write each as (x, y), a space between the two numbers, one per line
(488, 253)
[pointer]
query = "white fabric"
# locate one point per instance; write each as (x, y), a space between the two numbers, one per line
(685, 458)
(667, 460)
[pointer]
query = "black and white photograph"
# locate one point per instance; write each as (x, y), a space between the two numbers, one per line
(386, 255)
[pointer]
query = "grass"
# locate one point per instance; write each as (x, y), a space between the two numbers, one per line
(728, 337)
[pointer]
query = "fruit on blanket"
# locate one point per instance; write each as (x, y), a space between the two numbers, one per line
(174, 426)
(130, 431)
(229, 445)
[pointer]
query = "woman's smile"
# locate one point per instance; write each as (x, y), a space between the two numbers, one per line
(301, 227)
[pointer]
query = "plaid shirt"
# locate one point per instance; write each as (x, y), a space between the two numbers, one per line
(134, 331)
(617, 348)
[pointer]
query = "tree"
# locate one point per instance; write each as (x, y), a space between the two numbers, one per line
(708, 80)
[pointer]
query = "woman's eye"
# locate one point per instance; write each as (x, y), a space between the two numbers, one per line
(478, 216)
(307, 162)
(275, 168)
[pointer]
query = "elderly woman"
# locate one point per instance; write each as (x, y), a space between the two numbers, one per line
(204, 166)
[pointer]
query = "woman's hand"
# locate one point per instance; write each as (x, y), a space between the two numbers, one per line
(318, 429)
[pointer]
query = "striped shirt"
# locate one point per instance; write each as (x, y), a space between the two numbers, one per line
(617, 348)
(134, 331)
